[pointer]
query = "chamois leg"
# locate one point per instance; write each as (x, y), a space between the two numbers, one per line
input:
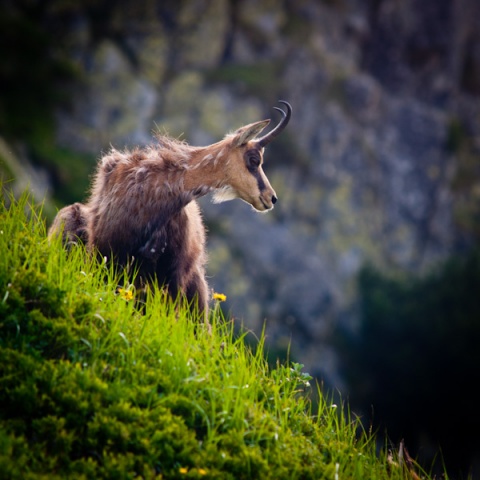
(71, 222)
(196, 292)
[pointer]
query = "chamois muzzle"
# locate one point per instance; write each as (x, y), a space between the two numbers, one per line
(266, 139)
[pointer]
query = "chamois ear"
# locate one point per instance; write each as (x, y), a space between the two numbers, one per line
(248, 132)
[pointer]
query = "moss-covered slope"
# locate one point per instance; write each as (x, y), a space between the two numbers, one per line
(96, 384)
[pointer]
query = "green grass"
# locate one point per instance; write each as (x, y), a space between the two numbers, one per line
(93, 385)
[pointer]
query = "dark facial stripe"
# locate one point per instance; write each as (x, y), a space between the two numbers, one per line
(260, 182)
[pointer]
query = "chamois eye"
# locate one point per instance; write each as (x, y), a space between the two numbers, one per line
(253, 161)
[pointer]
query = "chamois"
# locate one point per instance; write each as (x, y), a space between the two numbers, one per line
(142, 206)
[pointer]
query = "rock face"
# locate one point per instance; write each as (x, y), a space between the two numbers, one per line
(377, 165)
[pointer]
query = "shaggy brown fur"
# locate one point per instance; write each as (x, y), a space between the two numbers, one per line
(71, 221)
(142, 206)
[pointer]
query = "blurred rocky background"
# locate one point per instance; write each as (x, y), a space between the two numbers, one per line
(377, 174)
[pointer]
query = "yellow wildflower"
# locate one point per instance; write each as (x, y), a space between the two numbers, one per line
(221, 297)
(183, 470)
(202, 471)
(125, 294)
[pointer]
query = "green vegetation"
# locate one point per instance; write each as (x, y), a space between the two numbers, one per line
(36, 75)
(94, 384)
(415, 359)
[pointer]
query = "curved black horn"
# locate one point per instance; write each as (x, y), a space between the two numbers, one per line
(266, 139)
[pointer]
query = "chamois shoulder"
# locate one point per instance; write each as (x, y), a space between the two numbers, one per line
(167, 152)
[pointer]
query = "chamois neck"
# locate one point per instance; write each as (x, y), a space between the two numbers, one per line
(205, 172)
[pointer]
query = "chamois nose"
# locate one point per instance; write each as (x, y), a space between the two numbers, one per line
(274, 199)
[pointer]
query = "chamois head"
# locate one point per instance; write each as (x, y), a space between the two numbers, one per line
(244, 175)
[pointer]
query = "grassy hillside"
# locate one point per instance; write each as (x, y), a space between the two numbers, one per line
(96, 384)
